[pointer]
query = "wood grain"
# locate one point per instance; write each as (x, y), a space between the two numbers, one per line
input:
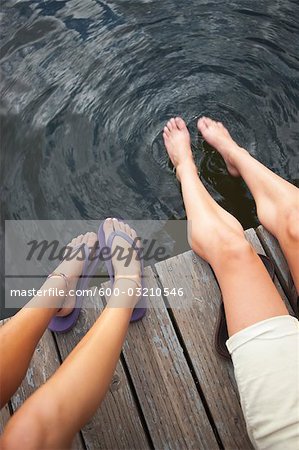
(171, 405)
(4, 417)
(274, 251)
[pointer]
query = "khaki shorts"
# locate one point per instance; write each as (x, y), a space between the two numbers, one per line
(266, 364)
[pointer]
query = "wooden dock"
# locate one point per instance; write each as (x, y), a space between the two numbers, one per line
(170, 391)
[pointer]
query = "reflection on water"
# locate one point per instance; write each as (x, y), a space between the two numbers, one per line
(88, 85)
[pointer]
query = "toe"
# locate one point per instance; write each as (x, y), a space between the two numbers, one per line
(69, 247)
(92, 238)
(85, 238)
(108, 227)
(73, 242)
(117, 225)
(165, 136)
(166, 131)
(133, 234)
(128, 229)
(122, 226)
(208, 122)
(173, 123)
(169, 125)
(180, 123)
(201, 124)
(78, 239)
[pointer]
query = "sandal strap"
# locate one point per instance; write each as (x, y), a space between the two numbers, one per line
(66, 279)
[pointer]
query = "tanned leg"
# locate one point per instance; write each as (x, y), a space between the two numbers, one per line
(76, 390)
(21, 334)
(249, 295)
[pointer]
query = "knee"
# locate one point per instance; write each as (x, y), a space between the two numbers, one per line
(233, 248)
(221, 244)
(22, 432)
(33, 426)
(291, 224)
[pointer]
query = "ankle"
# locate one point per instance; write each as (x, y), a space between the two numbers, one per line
(125, 294)
(235, 152)
(186, 167)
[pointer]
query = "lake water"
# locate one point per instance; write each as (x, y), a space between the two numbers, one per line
(88, 85)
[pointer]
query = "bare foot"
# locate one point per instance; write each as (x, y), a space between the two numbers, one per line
(72, 267)
(217, 135)
(125, 260)
(178, 144)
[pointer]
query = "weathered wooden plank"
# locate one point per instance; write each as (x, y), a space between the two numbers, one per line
(4, 417)
(196, 319)
(117, 424)
(172, 408)
(5, 411)
(274, 251)
(255, 242)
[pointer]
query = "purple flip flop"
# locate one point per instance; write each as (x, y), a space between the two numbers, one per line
(64, 324)
(140, 308)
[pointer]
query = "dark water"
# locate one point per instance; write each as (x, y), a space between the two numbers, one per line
(88, 85)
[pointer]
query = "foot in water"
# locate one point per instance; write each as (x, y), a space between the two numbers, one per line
(72, 267)
(178, 144)
(217, 135)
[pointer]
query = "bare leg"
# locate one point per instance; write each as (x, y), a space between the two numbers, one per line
(277, 200)
(17, 346)
(248, 293)
(87, 372)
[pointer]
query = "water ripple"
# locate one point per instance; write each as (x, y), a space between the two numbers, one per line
(88, 86)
